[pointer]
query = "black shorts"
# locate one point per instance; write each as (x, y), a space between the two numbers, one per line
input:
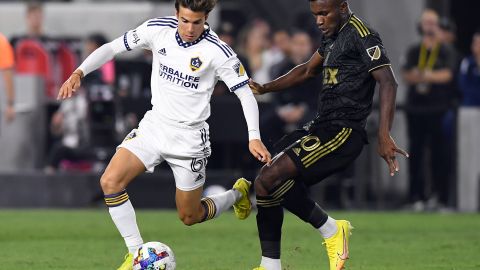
(323, 151)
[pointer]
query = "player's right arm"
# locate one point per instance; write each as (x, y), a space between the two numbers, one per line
(132, 39)
(297, 75)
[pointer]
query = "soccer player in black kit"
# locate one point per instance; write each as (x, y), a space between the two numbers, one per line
(352, 60)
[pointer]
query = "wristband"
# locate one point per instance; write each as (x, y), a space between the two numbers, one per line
(79, 73)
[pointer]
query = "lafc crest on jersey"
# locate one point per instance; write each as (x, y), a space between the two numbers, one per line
(374, 53)
(239, 69)
(195, 63)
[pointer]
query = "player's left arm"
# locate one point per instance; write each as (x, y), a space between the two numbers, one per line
(232, 72)
(375, 58)
(250, 111)
(387, 148)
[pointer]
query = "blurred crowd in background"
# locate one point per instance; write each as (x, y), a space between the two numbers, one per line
(443, 98)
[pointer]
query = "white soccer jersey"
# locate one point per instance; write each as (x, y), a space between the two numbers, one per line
(185, 73)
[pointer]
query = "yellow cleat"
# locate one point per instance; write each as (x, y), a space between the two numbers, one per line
(259, 268)
(337, 245)
(128, 263)
(243, 207)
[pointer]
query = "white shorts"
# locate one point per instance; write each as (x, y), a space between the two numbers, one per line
(185, 148)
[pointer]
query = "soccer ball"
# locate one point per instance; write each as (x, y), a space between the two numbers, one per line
(154, 256)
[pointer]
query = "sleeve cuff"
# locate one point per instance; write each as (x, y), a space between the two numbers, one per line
(379, 66)
(253, 135)
(125, 42)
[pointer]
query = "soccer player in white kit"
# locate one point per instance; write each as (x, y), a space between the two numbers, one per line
(188, 60)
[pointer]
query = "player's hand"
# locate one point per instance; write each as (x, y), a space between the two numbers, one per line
(259, 151)
(388, 150)
(71, 85)
(257, 88)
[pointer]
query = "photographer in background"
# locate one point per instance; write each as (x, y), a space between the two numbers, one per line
(428, 71)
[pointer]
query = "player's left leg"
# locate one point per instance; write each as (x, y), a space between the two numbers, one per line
(337, 148)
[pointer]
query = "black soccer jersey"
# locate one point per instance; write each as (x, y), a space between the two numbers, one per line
(349, 57)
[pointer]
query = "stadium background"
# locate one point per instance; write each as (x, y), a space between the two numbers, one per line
(26, 142)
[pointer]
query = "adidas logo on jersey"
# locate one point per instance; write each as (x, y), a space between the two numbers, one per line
(162, 52)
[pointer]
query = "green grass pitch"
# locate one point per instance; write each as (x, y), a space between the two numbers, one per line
(87, 239)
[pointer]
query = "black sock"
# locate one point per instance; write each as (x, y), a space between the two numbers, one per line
(294, 197)
(269, 224)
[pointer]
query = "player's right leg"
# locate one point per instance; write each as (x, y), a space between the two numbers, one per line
(278, 185)
(121, 170)
(323, 153)
(191, 207)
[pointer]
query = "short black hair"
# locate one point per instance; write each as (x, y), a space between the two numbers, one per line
(196, 5)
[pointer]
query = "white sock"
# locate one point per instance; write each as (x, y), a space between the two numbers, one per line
(223, 201)
(124, 218)
(271, 264)
(328, 229)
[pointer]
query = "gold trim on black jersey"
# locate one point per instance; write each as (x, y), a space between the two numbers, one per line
(372, 69)
(326, 148)
(360, 26)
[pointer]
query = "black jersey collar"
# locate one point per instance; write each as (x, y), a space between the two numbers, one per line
(343, 26)
(184, 44)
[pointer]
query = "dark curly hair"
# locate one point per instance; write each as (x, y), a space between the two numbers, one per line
(338, 2)
(196, 5)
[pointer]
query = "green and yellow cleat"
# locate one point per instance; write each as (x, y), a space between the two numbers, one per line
(243, 207)
(259, 268)
(128, 263)
(337, 245)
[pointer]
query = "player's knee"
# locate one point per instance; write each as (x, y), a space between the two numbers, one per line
(259, 188)
(110, 183)
(265, 181)
(188, 219)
